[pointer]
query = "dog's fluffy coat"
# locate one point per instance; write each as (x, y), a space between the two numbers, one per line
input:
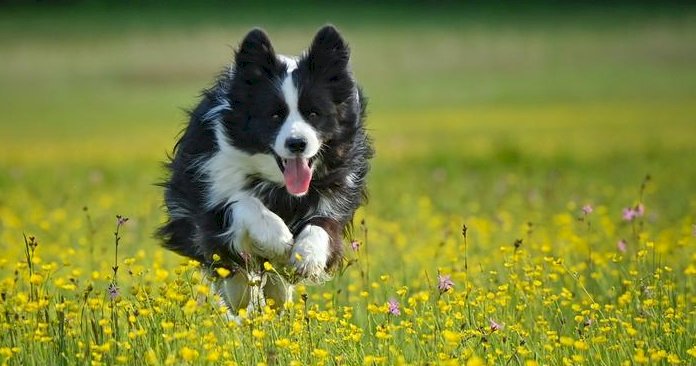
(271, 167)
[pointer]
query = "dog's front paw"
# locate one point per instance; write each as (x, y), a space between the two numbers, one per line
(270, 236)
(310, 253)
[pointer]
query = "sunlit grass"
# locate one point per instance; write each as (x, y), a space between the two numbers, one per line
(557, 290)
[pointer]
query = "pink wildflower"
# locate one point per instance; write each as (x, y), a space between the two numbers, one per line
(121, 220)
(355, 245)
(444, 283)
(393, 307)
(588, 322)
(621, 246)
(639, 210)
(628, 214)
(587, 209)
(113, 291)
(495, 326)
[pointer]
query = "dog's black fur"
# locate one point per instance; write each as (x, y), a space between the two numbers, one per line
(245, 101)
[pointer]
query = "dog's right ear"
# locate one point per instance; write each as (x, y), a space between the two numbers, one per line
(255, 57)
(329, 53)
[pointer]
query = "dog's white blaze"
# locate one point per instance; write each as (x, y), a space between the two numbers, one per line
(295, 126)
(228, 169)
(290, 62)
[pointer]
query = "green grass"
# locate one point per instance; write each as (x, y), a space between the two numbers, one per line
(506, 120)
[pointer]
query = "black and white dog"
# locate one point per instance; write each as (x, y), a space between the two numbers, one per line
(271, 167)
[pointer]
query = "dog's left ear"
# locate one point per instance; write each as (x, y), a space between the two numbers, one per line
(329, 54)
(255, 57)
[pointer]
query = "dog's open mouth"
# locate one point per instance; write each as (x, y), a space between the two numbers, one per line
(297, 173)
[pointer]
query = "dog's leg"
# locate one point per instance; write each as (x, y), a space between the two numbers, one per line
(234, 291)
(270, 237)
(278, 290)
(244, 290)
(311, 252)
(257, 300)
(317, 248)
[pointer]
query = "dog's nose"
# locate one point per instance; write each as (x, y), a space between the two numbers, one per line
(296, 145)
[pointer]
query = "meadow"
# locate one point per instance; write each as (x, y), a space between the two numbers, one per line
(533, 195)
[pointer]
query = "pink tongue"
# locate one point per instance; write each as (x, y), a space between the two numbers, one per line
(297, 176)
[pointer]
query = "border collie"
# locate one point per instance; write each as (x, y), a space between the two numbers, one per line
(270, 168)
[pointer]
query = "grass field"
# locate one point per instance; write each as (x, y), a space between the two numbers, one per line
(563, 140)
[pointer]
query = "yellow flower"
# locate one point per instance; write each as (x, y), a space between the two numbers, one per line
(640, 357)
(212, 356)
(283, 343)
(167, 325)
(320, 353)
(692, 351)
(188, 354)
(36, 279)
(190, 307)
(658, 355)
(452, 338)
(161, 274)
(566, 341)
(268, 266)
(382, 335)
(370, 360)
(581, 345)
(258, 334)
(402, 291)
(374, 309)
(475, 361)
(222, 272)
(673, 359)
(202, 289)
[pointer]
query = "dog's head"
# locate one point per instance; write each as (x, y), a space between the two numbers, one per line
(292, 109)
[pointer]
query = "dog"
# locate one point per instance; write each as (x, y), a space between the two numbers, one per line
(264, 181)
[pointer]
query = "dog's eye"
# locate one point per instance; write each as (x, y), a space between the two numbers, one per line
(313, 115)
(276, 117)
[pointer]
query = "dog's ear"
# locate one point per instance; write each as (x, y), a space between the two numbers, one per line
(255, 57)
(329, 54)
